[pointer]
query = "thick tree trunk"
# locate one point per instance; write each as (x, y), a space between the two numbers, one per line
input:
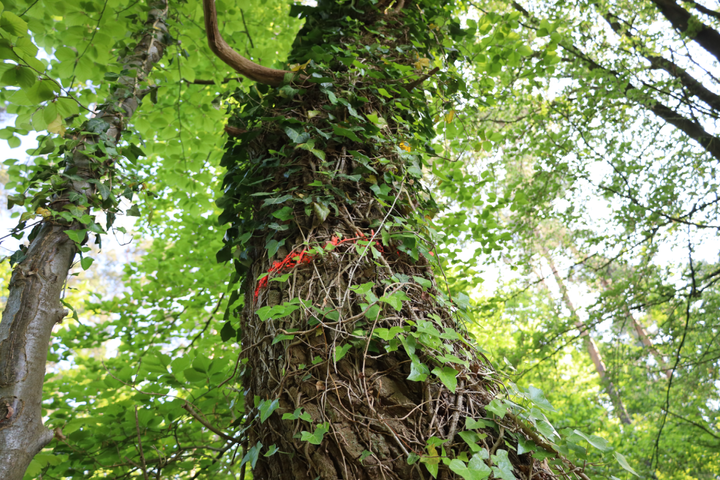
(33, 305)
(354, 360)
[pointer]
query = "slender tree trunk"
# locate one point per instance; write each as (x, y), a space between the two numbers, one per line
(353, 358)
(590, 345)
(637, 326)
(33, 305)
(642, 335)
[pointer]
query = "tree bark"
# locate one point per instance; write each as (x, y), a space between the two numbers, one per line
(33, 305)
(344, 331)
(685, 23)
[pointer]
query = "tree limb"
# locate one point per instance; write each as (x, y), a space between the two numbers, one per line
(695, 87)
(684, 22)
(248, 68)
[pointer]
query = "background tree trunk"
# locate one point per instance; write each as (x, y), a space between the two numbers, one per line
(590, 345)
(33, 305)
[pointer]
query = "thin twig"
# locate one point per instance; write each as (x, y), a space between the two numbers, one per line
(209, 426)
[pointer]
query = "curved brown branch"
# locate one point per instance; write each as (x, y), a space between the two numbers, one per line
(248, 68)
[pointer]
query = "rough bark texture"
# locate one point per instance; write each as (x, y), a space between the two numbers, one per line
(33, 305)
(343, 324)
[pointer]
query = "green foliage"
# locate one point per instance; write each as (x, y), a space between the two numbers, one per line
(523, 122)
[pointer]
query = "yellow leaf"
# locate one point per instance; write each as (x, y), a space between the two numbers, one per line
(44, 212)
(433, 456)
(449, 116)
(422, 63)
(56, 126)
(296, 67)
(405, 146)
(371, 179)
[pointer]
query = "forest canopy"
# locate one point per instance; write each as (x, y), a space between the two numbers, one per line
(360, 239)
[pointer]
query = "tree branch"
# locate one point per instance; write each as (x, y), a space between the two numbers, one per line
(691, 128)
(209, 426)
(684, 22)
(695, 87)
(247, 68)
(212, 82)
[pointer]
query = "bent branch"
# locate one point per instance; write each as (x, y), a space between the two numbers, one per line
(693, 86)
(247, 68)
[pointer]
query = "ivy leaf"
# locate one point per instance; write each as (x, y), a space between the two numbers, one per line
(273, 246)
(498, 407)
(471, 438)
(295, 136)
(252, 455)
(227, 332)
(341, 351)
(316, 437)
(537, 397)
(321, 212)
(364, 455)
(395, 299)
(423, 282)
(473, 424)
(525, 445)
(597, 442)
(267, 407)
(503, 467)
(448, 376)
(85, 262)
(476, 469)
(344, 132)
(76, 236)
(272, 449)
(418, 371)
(284, 213)
(133, 211)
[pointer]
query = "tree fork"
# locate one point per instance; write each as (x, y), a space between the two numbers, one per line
(33, 305)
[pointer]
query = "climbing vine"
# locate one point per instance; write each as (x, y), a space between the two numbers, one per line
(352, 353)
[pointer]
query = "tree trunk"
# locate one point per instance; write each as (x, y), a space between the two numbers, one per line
(353, 359)
(642, 334)
(590, 345)
(33, 305)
